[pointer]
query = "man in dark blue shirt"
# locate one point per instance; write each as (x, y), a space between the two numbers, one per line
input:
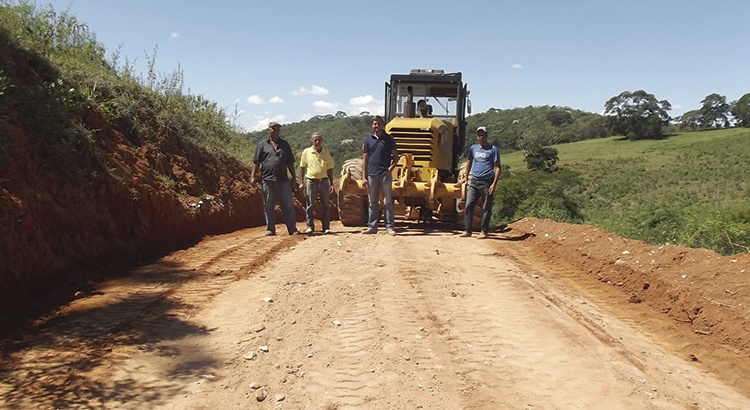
(380, 157)
(483, 170)
(274, 157)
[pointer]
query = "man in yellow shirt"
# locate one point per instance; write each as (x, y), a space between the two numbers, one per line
(316, 169)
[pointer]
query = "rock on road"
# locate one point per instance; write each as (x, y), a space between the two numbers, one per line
(422, 320)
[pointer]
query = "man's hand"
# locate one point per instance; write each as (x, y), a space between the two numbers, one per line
(491, 191)
(252, 180)
(364, 183)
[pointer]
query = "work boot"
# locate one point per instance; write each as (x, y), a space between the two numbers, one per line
(482, 235)
(465, 234)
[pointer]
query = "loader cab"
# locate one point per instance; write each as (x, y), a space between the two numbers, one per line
(413, 101)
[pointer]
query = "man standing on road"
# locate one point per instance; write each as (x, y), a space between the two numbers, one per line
(483, 170)
(316, 170)
(379, 158)
(274, 156)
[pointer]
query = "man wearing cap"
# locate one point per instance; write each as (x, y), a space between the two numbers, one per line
(274, 156)
(316, 170)
(483, 170)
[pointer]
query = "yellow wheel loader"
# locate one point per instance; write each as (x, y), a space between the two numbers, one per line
(425, 112)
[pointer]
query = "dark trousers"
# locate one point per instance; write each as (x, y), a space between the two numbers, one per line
(478, 190)
(280, 192)
(315, 188)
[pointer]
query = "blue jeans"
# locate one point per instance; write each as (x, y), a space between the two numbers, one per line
(475, 191)
(374, 186)
(280, 192)
(315, 187)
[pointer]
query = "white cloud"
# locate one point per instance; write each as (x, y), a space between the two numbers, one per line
(355, 106)
(326, 107)
(366, 103)
(174, 35)
(314, 90)
(517, 66)
(262, 123)
(255, 100)
(362, 100)
(276, 100)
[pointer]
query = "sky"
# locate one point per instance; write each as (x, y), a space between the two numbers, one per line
(287, 61)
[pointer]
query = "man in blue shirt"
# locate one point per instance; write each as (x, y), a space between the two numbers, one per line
(274, 157)
(483, 171)
(379, 157)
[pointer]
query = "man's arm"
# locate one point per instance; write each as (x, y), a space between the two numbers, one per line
(467, 169)
(364, 170)
(394, 159)
(497, 177)
(253, 171)
(302, 173)
(293, 180)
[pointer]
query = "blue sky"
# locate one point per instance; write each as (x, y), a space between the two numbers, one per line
(290, 60)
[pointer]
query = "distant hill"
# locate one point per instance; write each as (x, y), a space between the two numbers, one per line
(343, 134)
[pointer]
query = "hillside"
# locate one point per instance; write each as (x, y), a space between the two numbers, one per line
(78, 192)
(690, 188)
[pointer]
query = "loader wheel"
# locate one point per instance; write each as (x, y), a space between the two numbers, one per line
(476, 222)
(353, 208)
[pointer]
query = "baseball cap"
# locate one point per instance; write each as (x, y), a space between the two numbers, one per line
(273, 124)
(483, 128)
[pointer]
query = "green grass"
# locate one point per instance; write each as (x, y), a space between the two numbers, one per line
(686, 189)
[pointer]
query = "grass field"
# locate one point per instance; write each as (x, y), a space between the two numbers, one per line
(678, 190)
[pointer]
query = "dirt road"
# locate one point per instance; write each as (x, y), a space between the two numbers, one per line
(422, 320)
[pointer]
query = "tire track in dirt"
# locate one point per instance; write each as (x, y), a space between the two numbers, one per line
(643, 359)
(126, 311)
(475, 310)
(420, 320)
(349, 333)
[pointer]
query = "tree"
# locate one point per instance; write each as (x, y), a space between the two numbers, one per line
(741, 111)
(559, 117)
(541, 159)
(714, 112)
(637, 115)
(538, 155)
(690, 119)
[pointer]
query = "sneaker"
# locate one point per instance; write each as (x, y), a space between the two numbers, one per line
(370, 231)
(309, 230)
(390, 231)
(326, 232)
(294, 233)
(465, 234)
(482, 235)
(269, 233)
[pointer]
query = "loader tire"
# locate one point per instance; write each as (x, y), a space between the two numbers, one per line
(461, 212)
(353, 208)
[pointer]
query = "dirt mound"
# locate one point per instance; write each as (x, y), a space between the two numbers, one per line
(702, 291)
